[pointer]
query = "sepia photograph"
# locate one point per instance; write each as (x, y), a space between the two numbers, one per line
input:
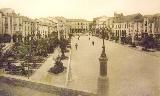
(79, 47)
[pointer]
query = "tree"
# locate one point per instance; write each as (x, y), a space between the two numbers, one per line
(58, 67)
(151, 41)
(145, 44)
(52, 44)
(1, 58)
(109, 32)
(14, 38)
(63, 45)
(41, 47)
(22, 50)
(129, 39)
(6, 38)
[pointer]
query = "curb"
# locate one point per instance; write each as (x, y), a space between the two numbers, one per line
(61, 91)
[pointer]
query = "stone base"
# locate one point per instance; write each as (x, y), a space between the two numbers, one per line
(103, 86)
(103, 77)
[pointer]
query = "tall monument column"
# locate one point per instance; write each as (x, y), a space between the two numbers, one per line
(103, 58)
(103, 84)
(103, 64)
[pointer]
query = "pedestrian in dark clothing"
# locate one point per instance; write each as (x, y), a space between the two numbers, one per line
(76, 45)
(89, 38)
(78, 37)
(93, 43)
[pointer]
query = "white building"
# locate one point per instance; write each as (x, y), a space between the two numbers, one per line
(26, 27)
(128, 25)
(148, 24)
(103, 22)
(8, 17)
(79, 25)
(62, 27)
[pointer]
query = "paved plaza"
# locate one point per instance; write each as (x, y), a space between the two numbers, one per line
(130, 72)
(79, 48)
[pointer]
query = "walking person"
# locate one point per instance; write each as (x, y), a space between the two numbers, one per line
(89, 38)
(93, 43)
(78, 37)
(76, 45)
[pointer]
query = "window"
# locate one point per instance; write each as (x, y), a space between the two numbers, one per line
(145, 30)
(145, 23)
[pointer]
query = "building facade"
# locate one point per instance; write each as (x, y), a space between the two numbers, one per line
(128, 25)
(8, 17)
(103, 22)
(15, 26)
(79, 25)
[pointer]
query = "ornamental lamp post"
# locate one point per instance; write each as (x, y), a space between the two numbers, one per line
(103, 58)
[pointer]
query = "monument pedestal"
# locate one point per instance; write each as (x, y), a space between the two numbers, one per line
(103, 64)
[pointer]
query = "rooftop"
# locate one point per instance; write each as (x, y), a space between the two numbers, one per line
(76, 20)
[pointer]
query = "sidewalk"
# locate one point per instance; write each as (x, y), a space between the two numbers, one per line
(42, 74)
(139, 48)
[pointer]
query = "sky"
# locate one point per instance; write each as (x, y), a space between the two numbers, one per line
(86, 9)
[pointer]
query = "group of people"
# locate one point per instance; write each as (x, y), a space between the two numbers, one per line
(76, 45)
